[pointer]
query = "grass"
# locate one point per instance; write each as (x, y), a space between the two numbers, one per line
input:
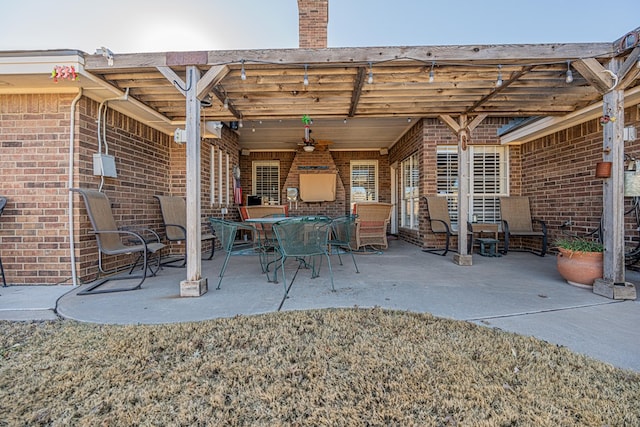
(319, 367)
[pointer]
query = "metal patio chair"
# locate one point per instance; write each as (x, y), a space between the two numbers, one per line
(340, 238)
(305, 239)
(517, 222)
(174, 217)
(225, 232)
(440, 223)
(114, 240)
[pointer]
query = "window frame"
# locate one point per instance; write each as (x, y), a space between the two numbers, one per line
(376, 190)
(255, 164)
(484, 206)
(410, 206)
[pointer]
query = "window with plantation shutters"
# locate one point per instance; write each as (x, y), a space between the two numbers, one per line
(409, 211)
(488, 181)
(447, 179)
(266, 180)
(488, 177)
(364, 181)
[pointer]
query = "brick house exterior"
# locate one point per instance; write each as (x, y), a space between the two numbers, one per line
(556, 171)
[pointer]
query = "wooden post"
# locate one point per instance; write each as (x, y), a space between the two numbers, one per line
(194, 285)
(463, 257)
(613, 283)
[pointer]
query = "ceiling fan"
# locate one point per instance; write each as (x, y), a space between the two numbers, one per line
(308, 144)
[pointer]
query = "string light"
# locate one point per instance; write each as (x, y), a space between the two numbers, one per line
(499, 81)
(226, 104)
(370, 79)
(240, 124)
(243, 73)
(306, 77)
(431, 76)
(569, 78)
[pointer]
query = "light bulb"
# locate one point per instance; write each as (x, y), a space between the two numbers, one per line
(431, 75)
(370, 79)
(306, 77)
(569, 78)
(240, 124)
(226, 104)
(243, 73)
(499, 81)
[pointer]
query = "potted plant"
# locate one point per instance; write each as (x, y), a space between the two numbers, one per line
(579, 260)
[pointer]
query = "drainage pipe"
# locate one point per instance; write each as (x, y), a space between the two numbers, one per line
(72, 135)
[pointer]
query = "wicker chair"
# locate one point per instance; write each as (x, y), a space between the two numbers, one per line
(371, 224)
(517, 222)
(440, 223)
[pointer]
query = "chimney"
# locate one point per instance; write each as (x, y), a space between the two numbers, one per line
(313, 18)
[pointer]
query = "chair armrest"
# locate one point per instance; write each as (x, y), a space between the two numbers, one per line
(446, 226)
(505, 227)
(542, 224)
(139, 230)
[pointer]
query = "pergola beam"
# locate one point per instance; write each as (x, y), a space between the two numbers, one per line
(357, 91)
(595, 74)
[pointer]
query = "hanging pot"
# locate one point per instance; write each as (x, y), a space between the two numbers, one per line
(603, 169)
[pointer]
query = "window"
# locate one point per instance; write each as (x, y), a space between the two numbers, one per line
(266, 180)
(488, 181)
(219, 177)
(364, 181)
(410, 192)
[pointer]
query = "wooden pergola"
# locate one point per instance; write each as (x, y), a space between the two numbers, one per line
(460, 85)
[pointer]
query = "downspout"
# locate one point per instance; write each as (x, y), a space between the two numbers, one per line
(72, 134)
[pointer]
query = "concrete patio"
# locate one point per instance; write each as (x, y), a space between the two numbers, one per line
(520, 292)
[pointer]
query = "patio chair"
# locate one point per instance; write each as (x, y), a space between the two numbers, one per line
(340, 239)
(371, 224)
(440, 223)
(305, 239)
(3, 203)
(174, 217)
(118, 241)
(225, 232)
(517, 222)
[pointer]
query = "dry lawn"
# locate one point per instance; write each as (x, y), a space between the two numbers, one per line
(324, 367)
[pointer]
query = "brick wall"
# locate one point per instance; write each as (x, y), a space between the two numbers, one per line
(558, 173)
(341, 160)
(34, 141)
(34, 159)
(313, 18)
(424, 138)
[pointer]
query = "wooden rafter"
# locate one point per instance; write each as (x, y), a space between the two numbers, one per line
(357, 90)
(496, 90)
(594, 73)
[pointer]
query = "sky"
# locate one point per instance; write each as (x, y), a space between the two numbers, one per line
(126, 26)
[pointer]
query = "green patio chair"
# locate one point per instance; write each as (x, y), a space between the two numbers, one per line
(306, 239)
(341, 231)
(226, 232)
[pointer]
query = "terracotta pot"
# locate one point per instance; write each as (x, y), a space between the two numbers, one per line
(580, 268)
(603, 169)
